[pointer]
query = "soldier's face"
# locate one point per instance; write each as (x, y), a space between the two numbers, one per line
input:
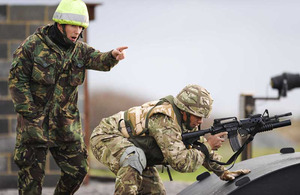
(194, 120)
(72, 31)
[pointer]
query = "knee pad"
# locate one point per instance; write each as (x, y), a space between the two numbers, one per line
(134, 157)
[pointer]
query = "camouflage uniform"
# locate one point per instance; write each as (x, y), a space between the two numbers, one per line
(43, 83)
(108, 143)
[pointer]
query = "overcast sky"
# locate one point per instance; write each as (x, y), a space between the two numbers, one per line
(227, 46)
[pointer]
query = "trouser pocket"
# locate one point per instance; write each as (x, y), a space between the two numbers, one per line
(24, 156)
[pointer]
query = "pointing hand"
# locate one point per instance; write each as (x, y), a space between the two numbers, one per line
(119, 53)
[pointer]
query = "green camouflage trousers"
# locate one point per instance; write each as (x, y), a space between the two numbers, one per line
(71, 158)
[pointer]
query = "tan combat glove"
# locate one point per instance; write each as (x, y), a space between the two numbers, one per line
(231, 175)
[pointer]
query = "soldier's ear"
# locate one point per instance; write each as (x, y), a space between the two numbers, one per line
(60, 27)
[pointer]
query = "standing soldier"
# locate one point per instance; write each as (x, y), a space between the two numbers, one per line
(127, 141)
(46, 71)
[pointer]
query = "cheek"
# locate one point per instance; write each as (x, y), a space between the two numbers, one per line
(69, 31)
(193, 121)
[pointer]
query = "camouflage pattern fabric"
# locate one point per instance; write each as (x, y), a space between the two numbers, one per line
(195, 100)
(129, 181)
(214, 167)
(71, 158)
(43, 83)
(137, 116)
(168, 137)
(108, 145)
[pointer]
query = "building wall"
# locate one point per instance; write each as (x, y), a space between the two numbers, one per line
(16, 24)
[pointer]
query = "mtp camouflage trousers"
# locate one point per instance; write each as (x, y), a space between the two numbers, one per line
(130, 182)
(108, 145)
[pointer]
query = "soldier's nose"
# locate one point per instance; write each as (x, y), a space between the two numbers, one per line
(200, 120)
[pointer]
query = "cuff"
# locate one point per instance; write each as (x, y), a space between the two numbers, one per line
(208, 147)
(111, 56)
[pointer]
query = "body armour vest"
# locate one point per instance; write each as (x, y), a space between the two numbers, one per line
(135, 121)
(134, 126)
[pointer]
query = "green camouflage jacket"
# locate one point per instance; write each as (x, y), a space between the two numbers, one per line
(43, 83)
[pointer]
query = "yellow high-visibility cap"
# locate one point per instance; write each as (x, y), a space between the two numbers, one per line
(72, 12)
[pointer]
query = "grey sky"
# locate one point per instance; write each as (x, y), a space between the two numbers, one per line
(228, 46)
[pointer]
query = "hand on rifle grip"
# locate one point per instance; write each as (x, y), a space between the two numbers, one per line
(215, 141)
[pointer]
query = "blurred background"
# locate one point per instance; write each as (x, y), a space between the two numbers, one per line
(230, 47)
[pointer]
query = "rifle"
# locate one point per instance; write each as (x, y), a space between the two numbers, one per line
(249, 126)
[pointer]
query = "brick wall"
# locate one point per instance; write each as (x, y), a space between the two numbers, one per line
(16, 24)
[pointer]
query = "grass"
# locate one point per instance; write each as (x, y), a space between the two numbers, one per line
(225, 151)
(101, 173)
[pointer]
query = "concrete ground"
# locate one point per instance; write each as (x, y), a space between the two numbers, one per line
(103, 188)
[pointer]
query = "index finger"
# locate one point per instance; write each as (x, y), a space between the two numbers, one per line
(222, 134)
(122, 48)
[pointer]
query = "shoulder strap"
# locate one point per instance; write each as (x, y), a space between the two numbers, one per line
(128, 124)
(235, 155)
(147, 116)
(170, 99)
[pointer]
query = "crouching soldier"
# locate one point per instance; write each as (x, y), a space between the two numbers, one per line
(131, 143)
